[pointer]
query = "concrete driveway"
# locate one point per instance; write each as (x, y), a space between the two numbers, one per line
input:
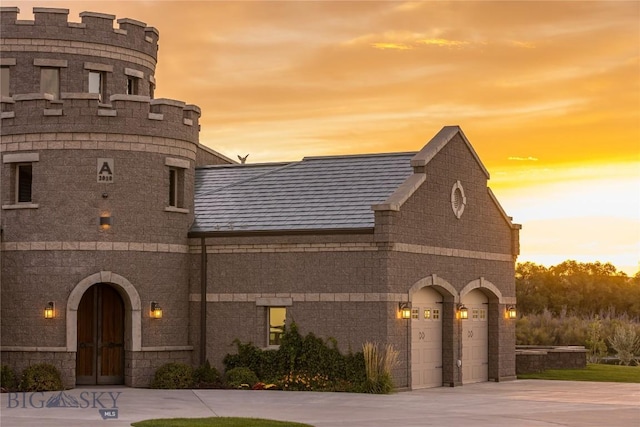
(517, 403)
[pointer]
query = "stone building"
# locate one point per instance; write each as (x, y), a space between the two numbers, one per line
(127, 244)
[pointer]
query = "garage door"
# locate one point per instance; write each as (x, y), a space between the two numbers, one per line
(475, 339)
(426, 339)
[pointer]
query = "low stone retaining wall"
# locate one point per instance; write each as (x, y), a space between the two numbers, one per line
(531, 359)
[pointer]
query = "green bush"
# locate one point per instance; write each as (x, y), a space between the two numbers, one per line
(302, 363)
(206, 376)
(240, 377)
(264, 363)
(7, 379)
(173, 376)
(41, 377)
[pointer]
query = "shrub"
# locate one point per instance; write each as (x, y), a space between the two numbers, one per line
(264, 363)
(206, 376)
(302, 363)
(41, 377)
(240, 377)
(173, 375)
(549, 329)
(378, 365)
(595, 343)
(626, 344)
(7, 379)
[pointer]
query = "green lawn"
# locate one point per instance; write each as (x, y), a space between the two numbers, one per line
(216, 422)
(593, 372)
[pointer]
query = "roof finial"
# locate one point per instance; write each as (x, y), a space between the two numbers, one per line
(243, 160)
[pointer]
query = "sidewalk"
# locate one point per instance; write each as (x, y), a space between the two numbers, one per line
(518, 403)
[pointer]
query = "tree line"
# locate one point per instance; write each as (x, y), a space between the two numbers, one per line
(575, 288)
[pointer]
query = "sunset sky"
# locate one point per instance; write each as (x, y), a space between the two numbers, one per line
(547, 92)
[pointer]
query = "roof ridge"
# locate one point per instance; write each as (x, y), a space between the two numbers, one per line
(243, 165)
(350, 156)
(251, 178)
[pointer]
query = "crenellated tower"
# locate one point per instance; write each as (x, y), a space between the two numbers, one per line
(97, 197)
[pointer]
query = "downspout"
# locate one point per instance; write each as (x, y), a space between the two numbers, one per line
(203, 301)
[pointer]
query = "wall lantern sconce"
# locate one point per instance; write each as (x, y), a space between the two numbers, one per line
(511, 312)
(405, 310)
(156, 311)
(49, 310)
(105, 222)
(463, 312)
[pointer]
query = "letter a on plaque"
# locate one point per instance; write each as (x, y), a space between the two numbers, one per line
(105, 170)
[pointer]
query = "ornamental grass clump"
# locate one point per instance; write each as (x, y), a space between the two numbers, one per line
(378, 366)
(626, 343)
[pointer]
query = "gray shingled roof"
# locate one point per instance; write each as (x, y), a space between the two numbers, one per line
(317, 193)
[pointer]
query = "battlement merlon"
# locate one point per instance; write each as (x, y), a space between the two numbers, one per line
(83, 112)
(95, 28)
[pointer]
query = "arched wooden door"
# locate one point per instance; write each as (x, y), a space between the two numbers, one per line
(100, 357)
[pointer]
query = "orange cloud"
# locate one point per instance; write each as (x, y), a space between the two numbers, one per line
(443, 42)
(396, 46)
(523, 159)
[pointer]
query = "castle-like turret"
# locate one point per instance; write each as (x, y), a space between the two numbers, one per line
(97, 195)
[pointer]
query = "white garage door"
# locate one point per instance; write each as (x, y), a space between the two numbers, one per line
(475, 339)
(426, 339)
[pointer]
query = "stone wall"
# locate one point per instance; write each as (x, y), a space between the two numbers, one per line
(140, 366)
(64, 361)
(532, 359)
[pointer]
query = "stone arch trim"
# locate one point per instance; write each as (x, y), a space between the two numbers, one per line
(445, 288)
(132, 303)
(485, 285)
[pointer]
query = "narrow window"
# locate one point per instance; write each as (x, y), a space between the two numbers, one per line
(50, 81)
(427, 314)
(132, 85)
(173, 187)
(24, 178)
(97, 83)
(276, 320)
(436, 314)
(152, 89)
(176, 187)
(4, 81)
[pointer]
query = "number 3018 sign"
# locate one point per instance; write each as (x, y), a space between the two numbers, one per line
(105, 170)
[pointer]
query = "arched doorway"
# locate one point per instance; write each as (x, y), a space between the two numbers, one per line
(100, 336)
(475, 338)
(426, 339)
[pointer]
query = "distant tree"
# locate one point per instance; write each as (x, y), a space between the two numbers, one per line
(584, 289)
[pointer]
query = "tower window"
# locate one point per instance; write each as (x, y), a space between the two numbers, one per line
(24, 179)
(50, 81)
(132, 85)
(4, 81)
(176, 187)
(177, 169)
(97, 83)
